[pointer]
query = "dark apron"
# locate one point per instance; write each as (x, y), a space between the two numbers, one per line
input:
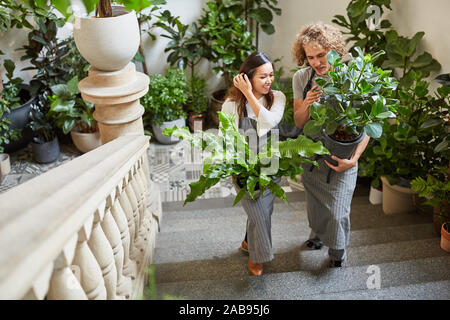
(259, 211)
(328, 198)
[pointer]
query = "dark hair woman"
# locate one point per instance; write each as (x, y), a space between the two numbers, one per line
(259, 109)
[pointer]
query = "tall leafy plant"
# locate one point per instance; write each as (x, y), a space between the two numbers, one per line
(357, 28)
(228, 37)
(259, 15)
(231, 156)
(401, 55)
(408, 146)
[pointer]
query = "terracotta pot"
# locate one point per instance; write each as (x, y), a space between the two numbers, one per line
(86, 142)
(438, 219)
(397, 199)
(109, 44)
(445, 237)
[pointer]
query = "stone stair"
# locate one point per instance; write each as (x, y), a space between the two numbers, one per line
(197, 256)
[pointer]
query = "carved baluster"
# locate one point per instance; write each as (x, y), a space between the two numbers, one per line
(128, 210)
(64, 285)
(100, 247)
(139, 241)
(40, 286)
(112, 233)
(129, 194)
(122, 221)
(91, 275)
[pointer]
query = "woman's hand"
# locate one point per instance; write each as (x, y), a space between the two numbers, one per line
(343, 164)
(312, 96)
(242, 82)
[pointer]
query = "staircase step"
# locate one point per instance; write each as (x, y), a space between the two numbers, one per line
(172, 264)
(436, 290)
(194, 243)
(395, 277)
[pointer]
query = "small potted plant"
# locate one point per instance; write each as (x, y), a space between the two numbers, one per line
(15, 103)
(435, 187)
(45, 143)
(252, 174)
(357, 101)
(164, 103)
(74, 115)
(197, 103)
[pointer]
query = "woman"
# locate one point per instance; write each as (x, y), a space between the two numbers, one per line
(328, 196)
(261, 109)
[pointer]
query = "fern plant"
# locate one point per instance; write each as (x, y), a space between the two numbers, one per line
(231, 156)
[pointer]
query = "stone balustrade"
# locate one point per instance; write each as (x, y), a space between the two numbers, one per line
(84, 230)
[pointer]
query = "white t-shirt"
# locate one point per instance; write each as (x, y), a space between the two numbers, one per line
(267, 119)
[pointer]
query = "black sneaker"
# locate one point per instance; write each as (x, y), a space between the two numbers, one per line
(337, 263)
(314, 244)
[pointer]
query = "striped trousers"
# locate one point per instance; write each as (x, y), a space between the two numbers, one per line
(259, 225)
(328, 204)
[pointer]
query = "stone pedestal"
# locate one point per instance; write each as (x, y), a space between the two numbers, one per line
(115, 95)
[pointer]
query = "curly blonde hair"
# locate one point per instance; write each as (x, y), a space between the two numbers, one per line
(324, 35)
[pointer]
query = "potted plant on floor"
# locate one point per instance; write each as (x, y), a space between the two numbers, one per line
(435, 187)
(164, 103)
(252, 174)
(412, 140)
(188, 46)
(45, 143)
(15, 103)
(357, 101)
(74, 115)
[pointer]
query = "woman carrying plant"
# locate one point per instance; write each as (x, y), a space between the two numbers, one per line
(328, 194)
(258, 109)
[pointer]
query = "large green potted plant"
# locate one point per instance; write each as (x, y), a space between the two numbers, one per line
(409, 145)
(357, 101)
(164, 103)
(232, 157)
(15, 103)
(230, 42)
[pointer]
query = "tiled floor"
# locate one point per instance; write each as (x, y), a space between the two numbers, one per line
(173, 167)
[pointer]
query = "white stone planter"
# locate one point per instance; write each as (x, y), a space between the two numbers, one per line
(397, 199)
(375, 196)
(157, 130)
(86, 142)
(109, 44)
(5, 165)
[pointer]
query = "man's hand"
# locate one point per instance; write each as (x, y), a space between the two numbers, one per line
(312, 96)
(343, 164)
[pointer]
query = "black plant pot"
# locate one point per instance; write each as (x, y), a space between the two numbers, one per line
(19, 120)
(46, 152)
(289, 131)
(340, 149)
